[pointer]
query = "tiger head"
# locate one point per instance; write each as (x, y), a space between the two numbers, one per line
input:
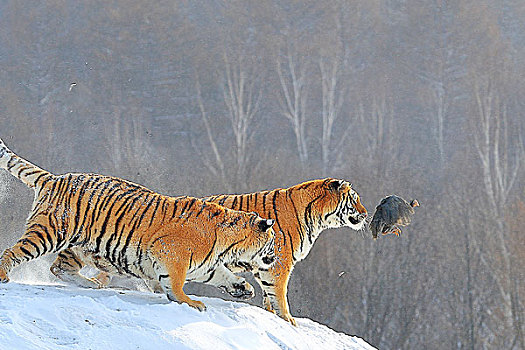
(258, 249)
(339, 205)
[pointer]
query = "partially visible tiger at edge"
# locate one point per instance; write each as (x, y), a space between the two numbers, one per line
(301, 213)
(124, 228)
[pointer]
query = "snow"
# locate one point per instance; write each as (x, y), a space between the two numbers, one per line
(66, 317)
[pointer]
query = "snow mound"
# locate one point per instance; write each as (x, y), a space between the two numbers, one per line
(63, 317)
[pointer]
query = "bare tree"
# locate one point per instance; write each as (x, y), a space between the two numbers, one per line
(215, 165)
(241, 98)
(501, 153)
(294, 97)
(332, 95)
(232, 161)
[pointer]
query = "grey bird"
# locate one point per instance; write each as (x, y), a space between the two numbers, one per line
(392, 212)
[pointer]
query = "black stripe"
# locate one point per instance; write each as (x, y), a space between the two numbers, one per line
(44, 173)
(9, 165)
(81, 193)
(27, 252)
(22, 169)
(28, 241)
(264, 201)
(230, 247)
(191, 261)
(155, 211)
(120, 234)
(209, 252)
(122, 253)
(174, 208)
(223, 199)
(115, 232)
(47, 238)
(248, 200)
(299, 225)
(209, 278)
(308, 217)
(150, 202)
(191, 203)
(203, 206)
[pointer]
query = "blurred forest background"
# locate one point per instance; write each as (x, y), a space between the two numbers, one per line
(424, 99)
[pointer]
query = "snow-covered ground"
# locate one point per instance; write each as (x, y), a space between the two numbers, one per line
(63, 317)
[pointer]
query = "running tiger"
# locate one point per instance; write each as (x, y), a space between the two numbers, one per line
(301, 213)
(128, 229)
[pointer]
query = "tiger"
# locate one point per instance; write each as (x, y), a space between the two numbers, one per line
(301, 213)
(128, 229)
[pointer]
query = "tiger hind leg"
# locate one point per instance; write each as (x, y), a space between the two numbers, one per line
(30, 246)
(67, 268)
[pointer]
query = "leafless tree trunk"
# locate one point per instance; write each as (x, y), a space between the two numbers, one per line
(127, 145)
(293, 99)
(500, 155)
(332, 93)
(216, 166)
(242, 102)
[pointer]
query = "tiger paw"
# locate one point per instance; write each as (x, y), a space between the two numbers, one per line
(103, 279)
(242, 290)
(92, 283)
(290, 319)
(3, 276)
(199, 305)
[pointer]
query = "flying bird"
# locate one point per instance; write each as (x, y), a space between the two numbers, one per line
(392, 212)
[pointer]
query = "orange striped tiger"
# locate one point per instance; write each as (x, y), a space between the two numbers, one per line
(128, 229)
(301, 213)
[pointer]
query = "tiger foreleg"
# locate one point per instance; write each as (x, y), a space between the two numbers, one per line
(172, 277)
(235, 285)
(274, 294)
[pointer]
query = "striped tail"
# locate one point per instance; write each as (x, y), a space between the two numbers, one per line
(28, 173)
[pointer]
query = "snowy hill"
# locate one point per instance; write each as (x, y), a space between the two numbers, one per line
(59, 317)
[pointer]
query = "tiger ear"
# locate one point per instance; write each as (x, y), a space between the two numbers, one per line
(265, 224)
(335, 185)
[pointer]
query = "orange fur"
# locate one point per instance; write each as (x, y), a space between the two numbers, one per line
(126, 228)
